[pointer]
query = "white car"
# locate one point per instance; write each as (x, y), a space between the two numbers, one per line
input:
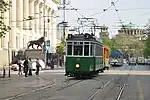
(34, 64)
(15, 67)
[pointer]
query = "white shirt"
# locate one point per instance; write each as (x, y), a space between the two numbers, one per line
(30, 64)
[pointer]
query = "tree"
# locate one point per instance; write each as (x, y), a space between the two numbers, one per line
(147, 49)
(60, 47)
(4, 7)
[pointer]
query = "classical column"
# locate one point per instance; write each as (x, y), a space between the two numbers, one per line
(41, 24)
(37, 13)
(46, 21)
(19, 23)
(49, 25)
(54, 32)
(51, 28)
(19, 12)
(26, 22)
(25, 14)
(12, 35)
(31, 14)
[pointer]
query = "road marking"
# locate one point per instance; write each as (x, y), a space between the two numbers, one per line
(140, 92)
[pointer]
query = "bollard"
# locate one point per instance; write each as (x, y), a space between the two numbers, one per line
(4, 73)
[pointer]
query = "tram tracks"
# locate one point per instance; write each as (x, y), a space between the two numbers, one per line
(49, 94)
(48, 85)
(124, 85)
(116, 81)
(46, 90)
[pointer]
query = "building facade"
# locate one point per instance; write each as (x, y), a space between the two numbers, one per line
(135, 32)
(26, 19)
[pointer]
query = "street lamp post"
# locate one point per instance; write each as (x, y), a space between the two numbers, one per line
(8, 60)
(44, 35)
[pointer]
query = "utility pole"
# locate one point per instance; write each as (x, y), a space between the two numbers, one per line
(64, 23)
(44, 35)
(8, 59)
(64, 18)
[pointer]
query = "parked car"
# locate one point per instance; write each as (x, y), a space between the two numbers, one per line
(147, 62)
(132, 61)
(34, 64)
(14, 65)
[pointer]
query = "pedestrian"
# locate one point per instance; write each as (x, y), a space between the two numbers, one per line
(26, 66)
(30, 67)
(52, 63)
(20, 67)
(37, 66)
(60, 61)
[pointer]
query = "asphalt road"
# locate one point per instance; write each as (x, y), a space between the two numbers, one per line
(118, 83)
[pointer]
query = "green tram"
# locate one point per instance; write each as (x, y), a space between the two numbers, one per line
(83, 55)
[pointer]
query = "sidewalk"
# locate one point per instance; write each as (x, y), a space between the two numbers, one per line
(20, 84)
(55, 68)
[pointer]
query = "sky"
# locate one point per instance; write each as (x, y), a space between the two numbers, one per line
(135, 11)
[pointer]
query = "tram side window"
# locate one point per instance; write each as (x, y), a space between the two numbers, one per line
(92, 50)
(98, 51)
(69, 49)
(86, 50)
(78, 50)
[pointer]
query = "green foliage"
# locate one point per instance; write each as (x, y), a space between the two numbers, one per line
(106, 41)
(109, 42)
(60, 47)
(4, 7)
(129, 44)
(147, 49)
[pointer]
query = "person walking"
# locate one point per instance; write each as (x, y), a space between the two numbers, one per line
(37, 66)
(26, 66)
(20, 67)
(30, 67)
(52, 63)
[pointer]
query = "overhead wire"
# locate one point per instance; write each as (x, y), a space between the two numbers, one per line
(104, 10)
(87, 25)
(123, 9)
(119, 18)
(77, 11)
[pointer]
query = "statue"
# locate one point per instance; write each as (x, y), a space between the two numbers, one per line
(38, 42)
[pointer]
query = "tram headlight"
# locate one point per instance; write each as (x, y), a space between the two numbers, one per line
(77, 65)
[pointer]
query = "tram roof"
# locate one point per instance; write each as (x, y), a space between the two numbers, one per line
(82, 37)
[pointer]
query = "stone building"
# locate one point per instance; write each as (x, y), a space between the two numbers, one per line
(26, 19)
(132, 30)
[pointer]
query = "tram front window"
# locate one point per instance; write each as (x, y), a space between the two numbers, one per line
(69, 49)
(78, 50)
(86, 50)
